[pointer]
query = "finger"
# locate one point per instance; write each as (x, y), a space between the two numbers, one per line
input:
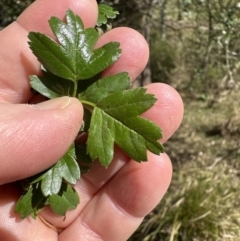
(122, 204)
(17, 60)
(12, 228)
(169, 102)
(135, 51)
(167, 111)
(34, 137)
(42, 10)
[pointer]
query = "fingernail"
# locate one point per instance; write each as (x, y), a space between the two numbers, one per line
(58, 103)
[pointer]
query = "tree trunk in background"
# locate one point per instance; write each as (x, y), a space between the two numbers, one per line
(138, 15)
(146, 76)
(163, 19)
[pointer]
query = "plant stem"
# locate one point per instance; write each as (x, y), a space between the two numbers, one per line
(88, 103)
(75, 89)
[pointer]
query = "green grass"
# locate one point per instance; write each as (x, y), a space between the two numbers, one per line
(203, 201)
(200, 205)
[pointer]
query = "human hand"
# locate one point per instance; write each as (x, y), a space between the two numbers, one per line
(114, 200)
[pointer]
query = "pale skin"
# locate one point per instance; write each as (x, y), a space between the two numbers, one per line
(34, 136)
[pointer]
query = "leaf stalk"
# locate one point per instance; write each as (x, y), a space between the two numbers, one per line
(88, 103)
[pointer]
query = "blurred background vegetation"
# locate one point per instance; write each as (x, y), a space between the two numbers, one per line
(194, 47)
(10, 9)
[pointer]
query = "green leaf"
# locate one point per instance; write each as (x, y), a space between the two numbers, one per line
(128, 103)
(116, 119)
(66, 168)
(24, 204)
(104, 13)
(50, 85)
(105, 86)
(66, 199)
(149, 130)
(51, 181)
(73, 57)
(31, 202)
(101, 137)
(38, 85)
(53, 86)
(72, 66)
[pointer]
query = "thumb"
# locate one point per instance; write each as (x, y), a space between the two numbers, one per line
(34, 137)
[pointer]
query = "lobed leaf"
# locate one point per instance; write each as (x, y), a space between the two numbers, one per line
(24, 204)
(100, 141)
(37, 83)
(116, 119)
(66, 168)
(50, 85)
(127, 103)
(31, 202)
(104, 13)
(105, 86)
(65, 200)
(112, 112)
(73, 57)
